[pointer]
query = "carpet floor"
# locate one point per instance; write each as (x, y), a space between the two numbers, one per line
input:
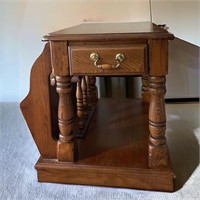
(18, 154)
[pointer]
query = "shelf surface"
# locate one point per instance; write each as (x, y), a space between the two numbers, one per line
(117, 135)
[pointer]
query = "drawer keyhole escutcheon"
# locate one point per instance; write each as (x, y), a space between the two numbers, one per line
(95, 58)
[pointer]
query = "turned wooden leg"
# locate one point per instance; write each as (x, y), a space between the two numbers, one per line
(158, 152)
(80, 107)
(94, 95)
(85, 100)
(87, 78)
(66, 145)
(145, 89)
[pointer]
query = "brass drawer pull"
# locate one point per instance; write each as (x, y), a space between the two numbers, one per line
(52, 78)
(95, 57)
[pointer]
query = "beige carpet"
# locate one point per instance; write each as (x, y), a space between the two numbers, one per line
(18, 154)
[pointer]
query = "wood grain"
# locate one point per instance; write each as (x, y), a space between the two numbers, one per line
(158, 152)
(145, 89)
(85, 98)
(36, 106)
(94, 91)
(158, 57)
(89, 95)
(118, 151)
(133, 64)
(110, 31)
(79, 102)
(117, 136)
(123, 140)
(66, 145)
(148, 179)
(59, 57)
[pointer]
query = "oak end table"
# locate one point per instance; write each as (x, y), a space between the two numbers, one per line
(104, 142)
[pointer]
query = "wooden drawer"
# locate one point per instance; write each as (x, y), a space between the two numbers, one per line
(134, 62)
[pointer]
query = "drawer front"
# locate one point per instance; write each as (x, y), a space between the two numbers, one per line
(134, 62)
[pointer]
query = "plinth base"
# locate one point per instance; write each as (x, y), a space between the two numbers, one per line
(113, 153)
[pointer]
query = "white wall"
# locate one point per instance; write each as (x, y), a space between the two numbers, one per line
(183, 80)
(181, 16)
(11, 17)
(26, 21)
(183, 19)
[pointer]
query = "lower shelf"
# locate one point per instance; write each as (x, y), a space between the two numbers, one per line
(113, 153)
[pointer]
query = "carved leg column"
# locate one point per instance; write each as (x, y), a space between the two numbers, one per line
(87, 78)
(80, 107)
(85, 100)
(66, 146)
(145, 89)
(94, 95)
(158, 152)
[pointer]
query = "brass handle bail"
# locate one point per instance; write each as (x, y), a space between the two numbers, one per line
(52, 78)
(95, 58)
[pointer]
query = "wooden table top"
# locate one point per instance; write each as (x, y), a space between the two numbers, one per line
(108, 31)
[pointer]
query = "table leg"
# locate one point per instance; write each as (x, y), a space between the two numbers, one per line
(145, 89)
(80, 106)
(94, 95)
(87, 78)
(66, 145)
(85, 99)
(158, 152)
